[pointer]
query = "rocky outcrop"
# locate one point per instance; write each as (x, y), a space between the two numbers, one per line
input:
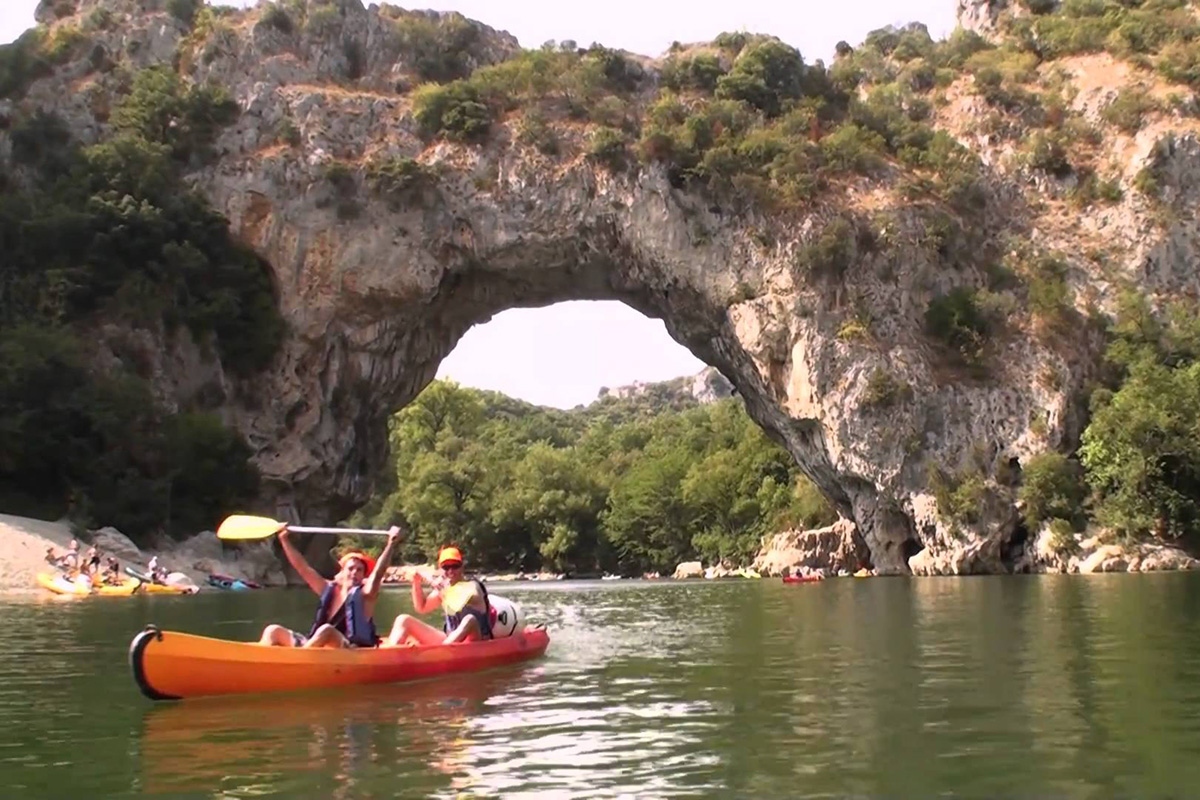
(688, 569)
(842, 372)
(1098, 551)
(834, 549)
(979, 15)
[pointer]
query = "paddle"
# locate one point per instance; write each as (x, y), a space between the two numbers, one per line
(242, 527)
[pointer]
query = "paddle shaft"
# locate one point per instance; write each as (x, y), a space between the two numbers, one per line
(361, 531)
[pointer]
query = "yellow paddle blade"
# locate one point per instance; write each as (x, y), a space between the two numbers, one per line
(240, 527)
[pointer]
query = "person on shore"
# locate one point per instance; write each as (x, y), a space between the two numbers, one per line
(70, 561)
(158, 573)
(93, 562)
(464, 603)
(346, 613)
(112, 571)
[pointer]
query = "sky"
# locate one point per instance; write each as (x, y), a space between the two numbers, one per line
(562, 355)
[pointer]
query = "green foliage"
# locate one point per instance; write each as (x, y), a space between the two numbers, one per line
(960, 498)
(184, 10)
(765, 76)
(1048, 152)
(621, 485)
(1142, 452)
(160, 109)
(1062, 537)
(533, 129)
(607, 146)
(1127, 109)
(439, 46)
(956, 320)
(1141, 449)
(1049, 295)
(277, 17)
(400, 181)
(834, 250)
(453, 111)
(95, 446)
(699, 71)
(883, 390)
(110, 227)
(22, 62)
(1051, 486)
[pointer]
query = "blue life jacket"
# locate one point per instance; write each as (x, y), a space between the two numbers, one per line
(484, 618)
(351, 619)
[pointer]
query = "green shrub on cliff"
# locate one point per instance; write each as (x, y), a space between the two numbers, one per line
(22, 62)
(1051, 486)
(956, 320)
(439, 47)
(185, 118)
(453, 111)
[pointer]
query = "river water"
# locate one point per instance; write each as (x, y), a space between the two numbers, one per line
(1030, 686)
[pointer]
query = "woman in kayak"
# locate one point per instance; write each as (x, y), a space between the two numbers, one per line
(346, 614)
(463, 601)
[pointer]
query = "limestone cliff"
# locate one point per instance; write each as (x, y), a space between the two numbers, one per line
(378, 280)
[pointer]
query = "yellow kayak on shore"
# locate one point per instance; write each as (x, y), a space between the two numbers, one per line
(60, 584)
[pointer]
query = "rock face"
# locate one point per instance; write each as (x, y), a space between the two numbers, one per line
(1095, 552)
(979, 15)
(375, 295)
(834, 549)
(689, 569)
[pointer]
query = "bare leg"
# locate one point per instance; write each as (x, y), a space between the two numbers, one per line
(408, 627)
(276, 635)
(467, 631)
(327, 636)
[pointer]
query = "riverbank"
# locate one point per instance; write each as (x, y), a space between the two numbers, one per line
(23, 543)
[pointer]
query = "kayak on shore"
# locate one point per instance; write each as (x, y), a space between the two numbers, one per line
(174, 666)
(234, 584)
(802, 578)
(60, 584)
(150, 587)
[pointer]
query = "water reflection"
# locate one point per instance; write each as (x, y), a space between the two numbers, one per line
(331, 743)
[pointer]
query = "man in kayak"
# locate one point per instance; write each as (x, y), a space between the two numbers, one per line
(346, 614)
(464, 602)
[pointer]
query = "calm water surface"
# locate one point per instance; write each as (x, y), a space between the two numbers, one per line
(1052, 686)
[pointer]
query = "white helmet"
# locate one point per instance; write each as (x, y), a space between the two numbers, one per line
(507, 617)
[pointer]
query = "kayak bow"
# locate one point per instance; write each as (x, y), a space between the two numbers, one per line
(175, 666)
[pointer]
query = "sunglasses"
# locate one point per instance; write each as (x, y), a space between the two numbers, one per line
(452, 565)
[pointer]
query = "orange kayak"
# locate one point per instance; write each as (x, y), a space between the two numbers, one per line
(175, 666)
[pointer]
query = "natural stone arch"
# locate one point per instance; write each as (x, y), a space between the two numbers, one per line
(360, 352)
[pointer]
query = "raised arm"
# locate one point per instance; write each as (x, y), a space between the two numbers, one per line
(298, 562)
(375, 579)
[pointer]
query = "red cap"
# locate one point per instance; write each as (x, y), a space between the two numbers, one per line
(449, 554)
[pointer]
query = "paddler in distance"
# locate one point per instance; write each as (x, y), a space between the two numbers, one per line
(346, 614)
(463, 601)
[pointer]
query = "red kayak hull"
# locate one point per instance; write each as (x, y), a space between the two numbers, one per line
(802, 579)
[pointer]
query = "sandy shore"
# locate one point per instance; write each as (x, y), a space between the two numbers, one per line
(23, 543)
